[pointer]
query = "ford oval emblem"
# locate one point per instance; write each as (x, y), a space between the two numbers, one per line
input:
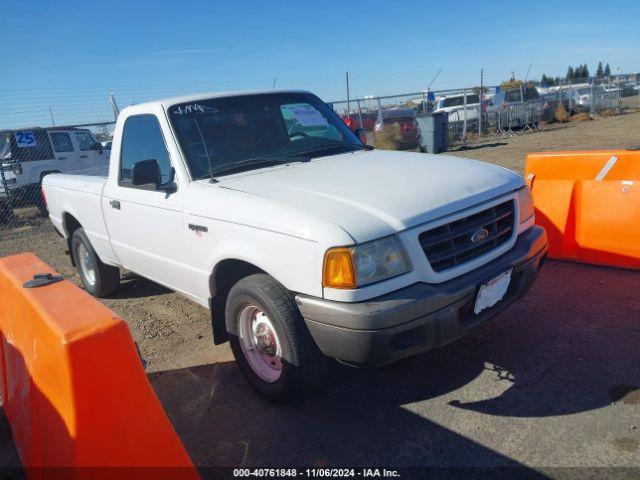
(480, 236)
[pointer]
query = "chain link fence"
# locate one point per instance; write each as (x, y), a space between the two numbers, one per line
(492, 110)
(27, 155)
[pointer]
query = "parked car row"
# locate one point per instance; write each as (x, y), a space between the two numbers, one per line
(573, 97)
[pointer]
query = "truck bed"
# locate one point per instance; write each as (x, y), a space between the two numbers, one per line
(79, 197)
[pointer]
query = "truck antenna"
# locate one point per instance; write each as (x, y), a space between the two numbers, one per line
(206, 151)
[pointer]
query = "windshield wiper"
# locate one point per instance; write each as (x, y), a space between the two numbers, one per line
(330, 148)
(250, 162)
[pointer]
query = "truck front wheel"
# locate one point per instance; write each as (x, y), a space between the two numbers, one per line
(270, 341)
(98, 278)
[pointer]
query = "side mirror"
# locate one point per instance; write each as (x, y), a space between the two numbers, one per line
(146, 172)
(362, 134)
(96, 146)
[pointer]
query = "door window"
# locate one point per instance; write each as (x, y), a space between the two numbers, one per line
(142, 140)
(61, 142)
(85, 141)
(41, 150)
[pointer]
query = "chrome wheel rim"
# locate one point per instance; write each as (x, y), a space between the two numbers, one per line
(86, 264)
(260, 343)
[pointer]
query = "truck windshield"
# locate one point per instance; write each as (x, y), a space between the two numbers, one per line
(217, 133)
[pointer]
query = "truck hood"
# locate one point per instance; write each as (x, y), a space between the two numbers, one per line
(371, 194)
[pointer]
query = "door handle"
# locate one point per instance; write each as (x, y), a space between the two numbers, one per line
(115, 204)
(62, 158)
(83, 156)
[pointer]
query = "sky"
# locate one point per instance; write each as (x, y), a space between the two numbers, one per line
(67, 56)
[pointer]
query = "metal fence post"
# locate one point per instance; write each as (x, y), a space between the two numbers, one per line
(560, 99)
(7, 193)
(481, 104)
(464, 122)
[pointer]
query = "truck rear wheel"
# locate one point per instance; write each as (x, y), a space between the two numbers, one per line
(98, 278)
(270, 341)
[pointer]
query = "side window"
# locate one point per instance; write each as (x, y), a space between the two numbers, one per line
(85, 141)
(142, 140)
(61, 141)
(38, 149)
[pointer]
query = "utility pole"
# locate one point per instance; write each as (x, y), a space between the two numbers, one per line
(433, 79)
(274, 83)
(51, 113)
(114, 106)
(527, 75)
(431, 83)
(481, 102)
(348, 99)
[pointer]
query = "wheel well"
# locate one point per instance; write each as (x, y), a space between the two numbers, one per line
(225, 275)
(70, 225)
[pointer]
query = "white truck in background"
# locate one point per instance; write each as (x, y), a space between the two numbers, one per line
(27, 155)
(303, 242)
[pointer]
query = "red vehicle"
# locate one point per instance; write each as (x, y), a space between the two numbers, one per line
(409, 129)
(368, 121)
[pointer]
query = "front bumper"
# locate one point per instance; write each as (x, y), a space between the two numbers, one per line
(421, 316)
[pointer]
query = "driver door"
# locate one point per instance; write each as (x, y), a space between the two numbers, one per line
(145, 225)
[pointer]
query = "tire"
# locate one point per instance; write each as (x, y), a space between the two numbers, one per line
(39, 199)
(260, 300)
(98, 278)
(7, 216)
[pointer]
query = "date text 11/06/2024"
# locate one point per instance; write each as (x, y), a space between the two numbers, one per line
(316, 473)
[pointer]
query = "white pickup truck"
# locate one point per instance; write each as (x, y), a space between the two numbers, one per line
(303, 242)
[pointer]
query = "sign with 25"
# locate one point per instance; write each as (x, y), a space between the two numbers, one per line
(25, 139)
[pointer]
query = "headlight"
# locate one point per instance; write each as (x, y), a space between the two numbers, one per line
(351, 267)
(525, 201)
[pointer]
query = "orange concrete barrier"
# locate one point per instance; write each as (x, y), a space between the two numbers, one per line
(589, 203)
(73, 386)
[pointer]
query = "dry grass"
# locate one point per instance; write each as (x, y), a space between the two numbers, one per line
(580, 117)
(561, 114)
(389, 138)
(610, 112)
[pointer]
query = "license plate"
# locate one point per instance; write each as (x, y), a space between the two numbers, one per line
(492, 291)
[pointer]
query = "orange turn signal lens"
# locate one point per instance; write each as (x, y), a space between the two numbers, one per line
(339, 270)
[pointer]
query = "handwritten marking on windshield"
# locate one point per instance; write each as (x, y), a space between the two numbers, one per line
(194, 108)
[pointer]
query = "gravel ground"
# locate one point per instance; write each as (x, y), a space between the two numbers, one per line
(553, 382)
(603, 132)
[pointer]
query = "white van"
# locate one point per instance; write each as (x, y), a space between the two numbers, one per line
(28, 155)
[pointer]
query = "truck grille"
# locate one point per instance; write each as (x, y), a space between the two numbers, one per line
(450, 244)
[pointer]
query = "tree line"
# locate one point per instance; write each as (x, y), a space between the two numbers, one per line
(577, 73)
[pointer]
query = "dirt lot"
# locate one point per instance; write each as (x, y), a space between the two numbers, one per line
(612, 132)
(553, 382)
